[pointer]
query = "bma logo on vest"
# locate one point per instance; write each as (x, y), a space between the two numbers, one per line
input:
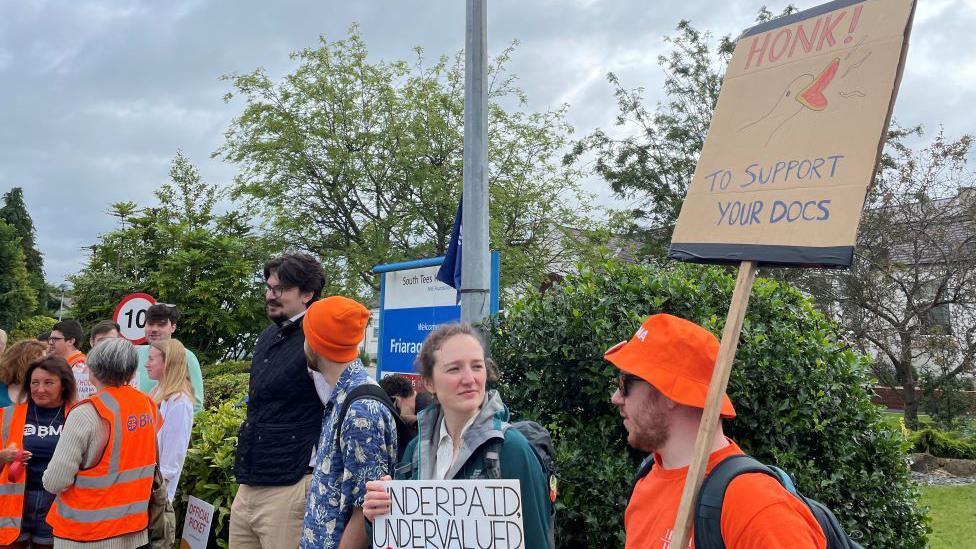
(138, 422)
(42, 431)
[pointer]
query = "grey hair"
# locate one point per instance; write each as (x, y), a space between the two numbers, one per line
(113, 362)
(3, 336)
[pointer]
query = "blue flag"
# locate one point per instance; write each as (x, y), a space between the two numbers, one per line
(450, 271)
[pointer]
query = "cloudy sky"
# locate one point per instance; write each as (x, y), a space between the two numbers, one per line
(97, 97)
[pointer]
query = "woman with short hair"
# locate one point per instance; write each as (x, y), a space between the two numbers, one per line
(102, 470)
(30, 433)
(174, 394)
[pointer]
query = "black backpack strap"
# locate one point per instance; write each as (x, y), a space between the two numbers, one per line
(645, 467)
(708, 504)
(374, 392)
(493, 455)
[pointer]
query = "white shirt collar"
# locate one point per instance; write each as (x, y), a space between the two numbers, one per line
(445, 448)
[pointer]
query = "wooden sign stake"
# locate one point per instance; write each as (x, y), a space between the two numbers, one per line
(713, 403)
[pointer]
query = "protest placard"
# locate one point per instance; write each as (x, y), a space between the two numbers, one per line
(196, 526)
(791, 152)
(795, 139)
(452, 514)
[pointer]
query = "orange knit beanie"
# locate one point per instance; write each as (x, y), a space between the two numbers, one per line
(334, 326)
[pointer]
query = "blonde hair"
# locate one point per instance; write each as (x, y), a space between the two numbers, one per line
(177, 376)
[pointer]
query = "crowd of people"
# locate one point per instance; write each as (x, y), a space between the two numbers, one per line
(83, 435)
(321, 437)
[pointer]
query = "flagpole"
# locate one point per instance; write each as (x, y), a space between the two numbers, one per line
(475, 272)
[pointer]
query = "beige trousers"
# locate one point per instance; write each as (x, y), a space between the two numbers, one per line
(268, 517)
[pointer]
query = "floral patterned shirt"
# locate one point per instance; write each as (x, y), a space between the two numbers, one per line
(367, 451)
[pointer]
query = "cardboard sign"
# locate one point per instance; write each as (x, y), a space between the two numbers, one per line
(452, 514)
(796, 136)
(196, 526)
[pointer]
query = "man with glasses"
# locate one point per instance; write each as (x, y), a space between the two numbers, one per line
(65, 338)
(665, 371)
(161, 320)
(275, 446)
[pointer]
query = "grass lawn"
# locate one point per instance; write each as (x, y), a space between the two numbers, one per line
(953, 513)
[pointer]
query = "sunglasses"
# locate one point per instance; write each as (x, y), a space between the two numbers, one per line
(624, 381)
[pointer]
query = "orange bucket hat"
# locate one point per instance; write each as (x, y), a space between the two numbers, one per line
(334, 326)
(674, 355)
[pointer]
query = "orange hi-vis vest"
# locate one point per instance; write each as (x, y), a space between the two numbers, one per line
(111, 499)
(12, 419)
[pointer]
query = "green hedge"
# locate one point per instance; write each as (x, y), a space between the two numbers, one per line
(208, 472)
(942, 444)
(30, 328)
(225, 388)
(230, 367)
(802, 397)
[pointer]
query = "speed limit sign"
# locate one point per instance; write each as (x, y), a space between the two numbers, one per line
(130, 315)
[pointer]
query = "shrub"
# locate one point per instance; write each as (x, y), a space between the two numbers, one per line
(942, 444)
(31, 327)
(230, 388)
(801, 395)
(208, 472)
(229, 367)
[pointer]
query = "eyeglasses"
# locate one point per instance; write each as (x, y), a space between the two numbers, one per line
(276, 291)
(53, 339)
(624, 381)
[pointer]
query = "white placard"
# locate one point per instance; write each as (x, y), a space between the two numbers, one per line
(452, 514)
(417, 288)
(83, 384)
(196, 526)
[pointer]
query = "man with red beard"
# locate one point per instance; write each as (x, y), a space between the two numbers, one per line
(665, 370)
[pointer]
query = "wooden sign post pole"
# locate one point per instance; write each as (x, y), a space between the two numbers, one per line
(713, 403)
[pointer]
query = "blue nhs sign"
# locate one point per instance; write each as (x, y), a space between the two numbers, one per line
(414, 303)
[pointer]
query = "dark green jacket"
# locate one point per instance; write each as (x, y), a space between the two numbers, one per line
(518, 461)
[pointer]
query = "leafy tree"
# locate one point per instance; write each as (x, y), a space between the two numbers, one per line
(802, 397)
(17, 298)
(910, 296)
(653, 164)
(182, 252)
(14, 212)
(31, 327)
(360, 163)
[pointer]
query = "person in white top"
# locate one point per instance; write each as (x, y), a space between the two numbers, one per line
(174, 394)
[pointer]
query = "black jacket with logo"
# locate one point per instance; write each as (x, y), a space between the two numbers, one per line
(284, 413)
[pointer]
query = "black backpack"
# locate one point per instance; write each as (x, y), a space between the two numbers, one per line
(375, 392)
(708, 505)
(541, 444)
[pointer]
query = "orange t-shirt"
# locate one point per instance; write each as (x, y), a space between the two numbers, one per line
(757, 512)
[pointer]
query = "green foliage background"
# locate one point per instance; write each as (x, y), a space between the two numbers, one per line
(31, 327)
(208, 472)
(17, 298)
(801, 395)
(181, 251)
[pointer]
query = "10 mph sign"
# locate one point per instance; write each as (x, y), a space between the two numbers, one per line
(130, 315)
